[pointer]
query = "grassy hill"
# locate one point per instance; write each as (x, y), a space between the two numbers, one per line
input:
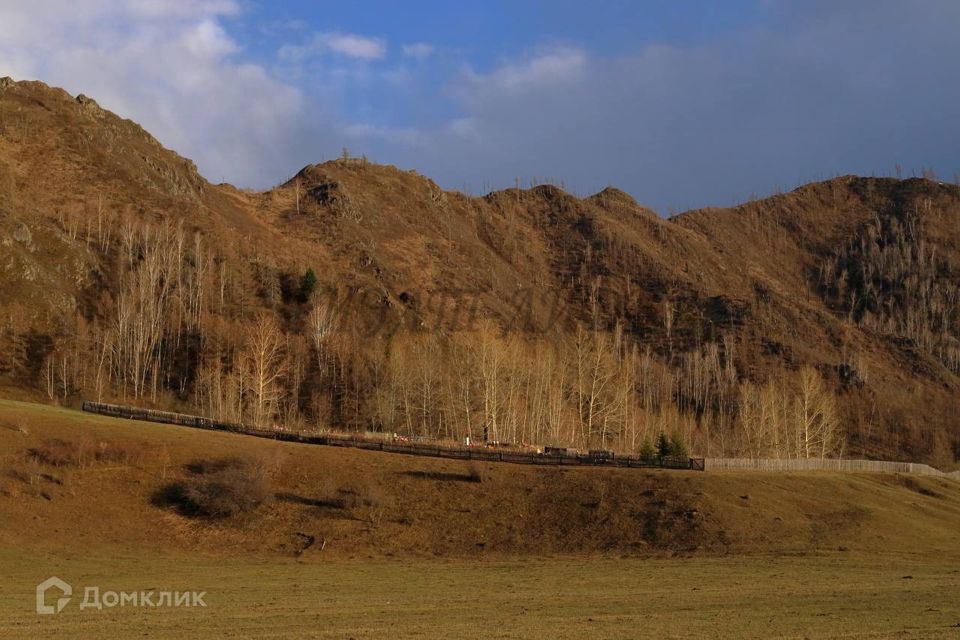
(93, 482)
(565, 553)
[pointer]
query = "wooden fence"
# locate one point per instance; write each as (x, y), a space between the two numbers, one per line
(482, 454)
(825, 464)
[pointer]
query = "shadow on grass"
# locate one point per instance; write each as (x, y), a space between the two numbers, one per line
(172, 496)
(216, 489)
(331, 503)
(444, 476)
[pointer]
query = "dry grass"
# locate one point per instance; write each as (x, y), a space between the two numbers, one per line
(84, 451)
(366, 503)
(565, 554)
(744, 597)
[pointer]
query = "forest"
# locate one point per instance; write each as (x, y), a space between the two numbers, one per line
(181, 329)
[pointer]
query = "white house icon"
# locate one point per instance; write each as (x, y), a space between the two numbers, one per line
(42, 607)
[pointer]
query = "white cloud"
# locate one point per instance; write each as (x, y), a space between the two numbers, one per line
(173, 68)
(166, 9)
(357, 46)
(816, 91)
(207, 40)
(813, 89)
(366, 131)
(345, 44)
(417, 50)
(545, 69)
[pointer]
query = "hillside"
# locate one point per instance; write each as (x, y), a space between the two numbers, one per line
(331, 503)
(360, 544)
(821, 321)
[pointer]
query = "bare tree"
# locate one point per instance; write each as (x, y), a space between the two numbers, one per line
(815, 416)
(296, 192)
(265, 354)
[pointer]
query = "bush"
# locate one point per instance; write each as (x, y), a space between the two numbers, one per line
(62, 453)
(70, 453)
(475, 472)
(369, 500)
(647, 452)
(376, 500)
(678, 449)
(219, 488)
(118, 453)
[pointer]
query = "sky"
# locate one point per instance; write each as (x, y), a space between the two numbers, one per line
(682, 103)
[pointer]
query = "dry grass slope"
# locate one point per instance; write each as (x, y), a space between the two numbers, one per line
(396, 544)
(336, 503)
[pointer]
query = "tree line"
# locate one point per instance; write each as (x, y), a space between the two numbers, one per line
(183, 325)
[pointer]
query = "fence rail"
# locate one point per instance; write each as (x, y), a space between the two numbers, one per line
(376, 444)
(825, 464)
(522, 457)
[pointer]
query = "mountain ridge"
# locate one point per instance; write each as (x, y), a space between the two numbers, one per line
(853, 277)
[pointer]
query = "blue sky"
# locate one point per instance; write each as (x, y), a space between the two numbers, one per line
(683, 104)
(484, 32)
(442, 38)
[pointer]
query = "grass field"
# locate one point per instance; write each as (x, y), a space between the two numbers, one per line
(520, 553)
(735, 597)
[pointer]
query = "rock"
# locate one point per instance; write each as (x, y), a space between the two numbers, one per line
(8, 185)
(89, 105)
(22, 234)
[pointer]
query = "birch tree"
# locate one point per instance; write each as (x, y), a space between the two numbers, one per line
(265, 355)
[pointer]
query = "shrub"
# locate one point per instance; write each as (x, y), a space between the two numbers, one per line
(118, 453)
(219, 488)
(71, 453)
(475, 472)
(647, 452)
(369, 500)
(678, 448)
(376, 501)
(62, 453)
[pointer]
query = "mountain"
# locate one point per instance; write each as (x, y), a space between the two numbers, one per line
(360, 296)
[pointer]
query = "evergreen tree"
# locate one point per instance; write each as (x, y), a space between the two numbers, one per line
(647, 452)
(664, 446)
(307, 285)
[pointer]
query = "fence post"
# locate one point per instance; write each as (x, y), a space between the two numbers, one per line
(134, 413)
